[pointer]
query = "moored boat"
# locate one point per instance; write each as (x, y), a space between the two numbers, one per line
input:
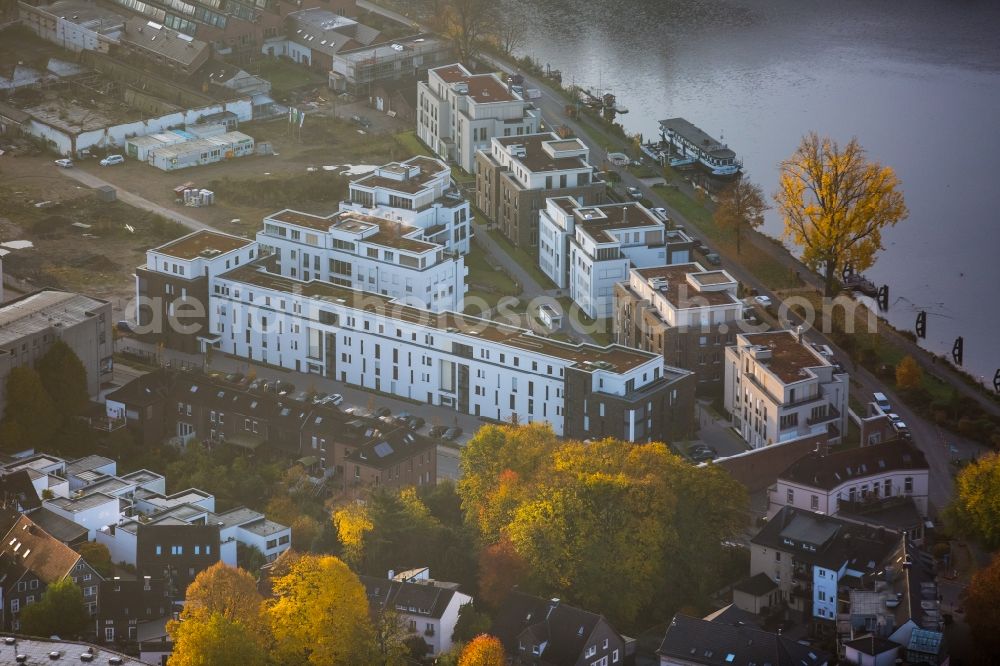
(688, 144)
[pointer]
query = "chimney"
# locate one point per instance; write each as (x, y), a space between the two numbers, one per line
(392, 574)
(798, 333)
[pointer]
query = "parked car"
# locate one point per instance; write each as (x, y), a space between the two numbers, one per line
(713, 258)
(882, 402)
(64, 163)
(112, 160)
(763, 301)
(634, 193)
(453, 433)
(415, 422)
(234, 377)
(660, 213)
(361, 120)
(124, 326)
(382, 411)
(438, 430)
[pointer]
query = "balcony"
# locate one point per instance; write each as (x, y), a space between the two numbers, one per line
(429, 631)
(832, 414)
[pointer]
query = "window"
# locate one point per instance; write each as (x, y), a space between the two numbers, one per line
(814, 503)
(15, 605)
(908, 485)
(790, 496)
(177, 550)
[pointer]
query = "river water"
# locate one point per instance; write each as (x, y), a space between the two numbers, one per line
(918, 82)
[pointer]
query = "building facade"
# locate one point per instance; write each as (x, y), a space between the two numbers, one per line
(30, 325)
(516, 174)
(779, 388)
(75, 25)
(589, 249)
(684, 312)
(472, 365)
(373, 254)
(361, 70)
(460, 112)
(418, 192)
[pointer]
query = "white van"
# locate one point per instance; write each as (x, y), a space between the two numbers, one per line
(882, 402)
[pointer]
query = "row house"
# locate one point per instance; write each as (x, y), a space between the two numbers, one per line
(516, 174)
(372, 254)
(590, 248)
(459, 113)
(684, 312)
(128, 603)
(425, 608)
(779, 388)
(881, 485)
(692, 641)
(813, 559)
(30, 561)
(418, 192)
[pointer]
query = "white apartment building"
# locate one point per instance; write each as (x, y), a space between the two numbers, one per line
(591, 248)
(779, 388)
(472, 365)
(459, 112)
(372, 254)
(682, 311)
(418, 192)
(869, 476)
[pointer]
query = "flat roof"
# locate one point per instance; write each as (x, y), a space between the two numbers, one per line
(198, 145)
(88, 15)
(429, 170)
(789, 357)
(87, 464)
(391, 233)
(536, 159)
(614, 216)
(581, 356)
(42, 310)
(684, 297)
(75, 504)
(194, 244)
(483, 88)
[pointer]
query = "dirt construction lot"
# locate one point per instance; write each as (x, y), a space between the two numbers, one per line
(79, 243)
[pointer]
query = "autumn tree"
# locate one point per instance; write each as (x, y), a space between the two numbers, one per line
(214, 639)
(975, 509)
(98, 556)
(227, 591)
(982, 611)
(30, 414)
(740, 205)
(59, 611)
(353, 525)
(64, 379)
(483, 650)
(501, 567)
(390, 637)
(320, 614)
(835, 204)
(909, 374)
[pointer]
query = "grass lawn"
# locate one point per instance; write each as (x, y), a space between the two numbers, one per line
(285, 76)
(409, 142)
(523, 259)
(646, 171)
(486, 278)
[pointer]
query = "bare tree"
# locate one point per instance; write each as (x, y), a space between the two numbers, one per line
(508, 31)
(468, 22)
(740, 205)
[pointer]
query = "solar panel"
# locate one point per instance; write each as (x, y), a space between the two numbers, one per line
(382, 449)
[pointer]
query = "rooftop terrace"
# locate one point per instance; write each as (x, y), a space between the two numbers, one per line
(789, 358)
(198, 243)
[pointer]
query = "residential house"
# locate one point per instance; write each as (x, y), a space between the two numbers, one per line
(472, 365)
(171, 52)
(172, 288)
(31, 324)
(880, 485)
(684, 312)
(376, 71)
(547, 631)
(516, 174)
(460, 112)
(373, 254)
(47, 473)
(41, 651)
(394, 460)
(128, 603)
(314, 36)
(426, 608)
(17, 491)
(591, 248)
(810, 557)
(175, 551)
(140, 404)
(418, 192)
(30, 561)
(691, 641)
(779, 388)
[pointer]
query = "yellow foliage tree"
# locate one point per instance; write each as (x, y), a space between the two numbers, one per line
(227, 591)
(353, 524)
(740, 204)
(320, 614)
(483, 650)
(214, 640)
(835, 204)
(975, 510)
(909, 374)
